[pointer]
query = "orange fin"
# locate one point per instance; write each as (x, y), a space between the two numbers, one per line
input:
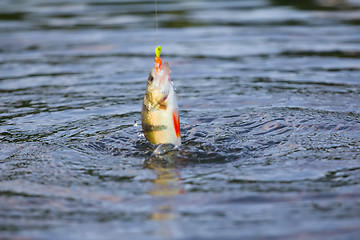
(176, 121)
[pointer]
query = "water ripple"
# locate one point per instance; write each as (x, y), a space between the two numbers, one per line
(269, 99)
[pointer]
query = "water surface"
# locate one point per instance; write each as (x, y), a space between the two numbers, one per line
(270, 120)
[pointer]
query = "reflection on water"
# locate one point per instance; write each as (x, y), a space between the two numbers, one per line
(269, 105)
(166, 186)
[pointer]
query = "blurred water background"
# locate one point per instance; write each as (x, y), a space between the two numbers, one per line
(269, 93)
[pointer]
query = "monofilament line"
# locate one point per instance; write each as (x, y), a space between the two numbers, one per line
(157, 25)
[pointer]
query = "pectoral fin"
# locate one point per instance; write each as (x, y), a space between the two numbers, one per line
(176, 121)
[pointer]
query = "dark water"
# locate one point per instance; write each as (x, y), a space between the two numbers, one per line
(269, 93)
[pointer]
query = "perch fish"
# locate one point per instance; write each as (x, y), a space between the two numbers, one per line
(160, 112)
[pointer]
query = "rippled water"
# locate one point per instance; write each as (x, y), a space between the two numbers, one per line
(270, 120)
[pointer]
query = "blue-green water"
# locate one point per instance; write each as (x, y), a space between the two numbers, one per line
(269, 93)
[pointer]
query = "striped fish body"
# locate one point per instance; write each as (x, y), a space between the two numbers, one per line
(160, 111)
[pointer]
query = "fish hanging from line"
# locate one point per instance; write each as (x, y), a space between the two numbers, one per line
(160, 112)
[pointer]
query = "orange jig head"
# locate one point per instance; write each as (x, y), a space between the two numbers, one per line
(158, 61)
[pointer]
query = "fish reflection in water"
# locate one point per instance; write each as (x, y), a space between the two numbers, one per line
(165, 162)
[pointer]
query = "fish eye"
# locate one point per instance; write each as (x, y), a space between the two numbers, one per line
(150, 79)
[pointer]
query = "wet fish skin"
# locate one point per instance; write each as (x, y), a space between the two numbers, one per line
(160, 111)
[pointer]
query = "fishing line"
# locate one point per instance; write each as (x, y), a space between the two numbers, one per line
(157, 24)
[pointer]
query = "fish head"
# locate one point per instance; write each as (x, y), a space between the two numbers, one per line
(159, 84)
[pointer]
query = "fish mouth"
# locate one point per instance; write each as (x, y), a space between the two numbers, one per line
(163, 79)
(165, 68)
